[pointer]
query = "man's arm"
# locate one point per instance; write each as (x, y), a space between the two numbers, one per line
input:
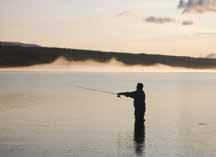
(127, 94)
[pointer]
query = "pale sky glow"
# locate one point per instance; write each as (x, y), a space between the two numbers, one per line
(114, 25)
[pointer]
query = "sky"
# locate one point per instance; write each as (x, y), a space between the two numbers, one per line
(171, 27)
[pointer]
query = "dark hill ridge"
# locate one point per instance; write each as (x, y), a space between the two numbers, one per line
(8, 43)
(27, 56)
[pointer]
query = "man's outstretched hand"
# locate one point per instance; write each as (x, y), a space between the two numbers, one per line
(127, 94)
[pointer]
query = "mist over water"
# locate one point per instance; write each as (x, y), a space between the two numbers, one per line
(62, 65)
(43, 114)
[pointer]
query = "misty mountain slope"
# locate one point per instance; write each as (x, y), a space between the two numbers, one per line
(27, 56)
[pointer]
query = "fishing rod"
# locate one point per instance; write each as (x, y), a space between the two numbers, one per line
(95, 90)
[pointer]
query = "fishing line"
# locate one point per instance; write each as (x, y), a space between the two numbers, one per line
(95, 90)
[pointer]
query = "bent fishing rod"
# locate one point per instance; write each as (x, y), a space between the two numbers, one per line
(95, 90)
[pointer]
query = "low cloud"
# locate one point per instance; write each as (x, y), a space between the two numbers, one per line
(124, 13)
(159, 20)
(187, 23)
(197, 6)
(211, 55)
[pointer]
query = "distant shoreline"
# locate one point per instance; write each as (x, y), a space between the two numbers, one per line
(19, 57)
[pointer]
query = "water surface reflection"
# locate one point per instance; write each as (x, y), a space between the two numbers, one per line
(139, 139)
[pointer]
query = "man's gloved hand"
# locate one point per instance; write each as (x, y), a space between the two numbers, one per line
(118, 95)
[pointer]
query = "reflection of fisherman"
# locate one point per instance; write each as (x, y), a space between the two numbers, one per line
(139, 139)
(139, 102)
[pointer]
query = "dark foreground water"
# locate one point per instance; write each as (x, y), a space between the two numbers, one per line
(44, 115)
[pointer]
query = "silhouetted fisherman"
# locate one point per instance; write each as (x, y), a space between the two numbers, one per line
(139, 103)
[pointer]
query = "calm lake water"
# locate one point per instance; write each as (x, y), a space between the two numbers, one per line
(45, 115)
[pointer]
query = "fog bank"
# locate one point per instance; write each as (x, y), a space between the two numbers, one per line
(63, 65)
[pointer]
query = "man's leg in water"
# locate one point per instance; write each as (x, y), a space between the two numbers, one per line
(139, 118)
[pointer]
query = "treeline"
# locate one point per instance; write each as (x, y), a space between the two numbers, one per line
(14, 56)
